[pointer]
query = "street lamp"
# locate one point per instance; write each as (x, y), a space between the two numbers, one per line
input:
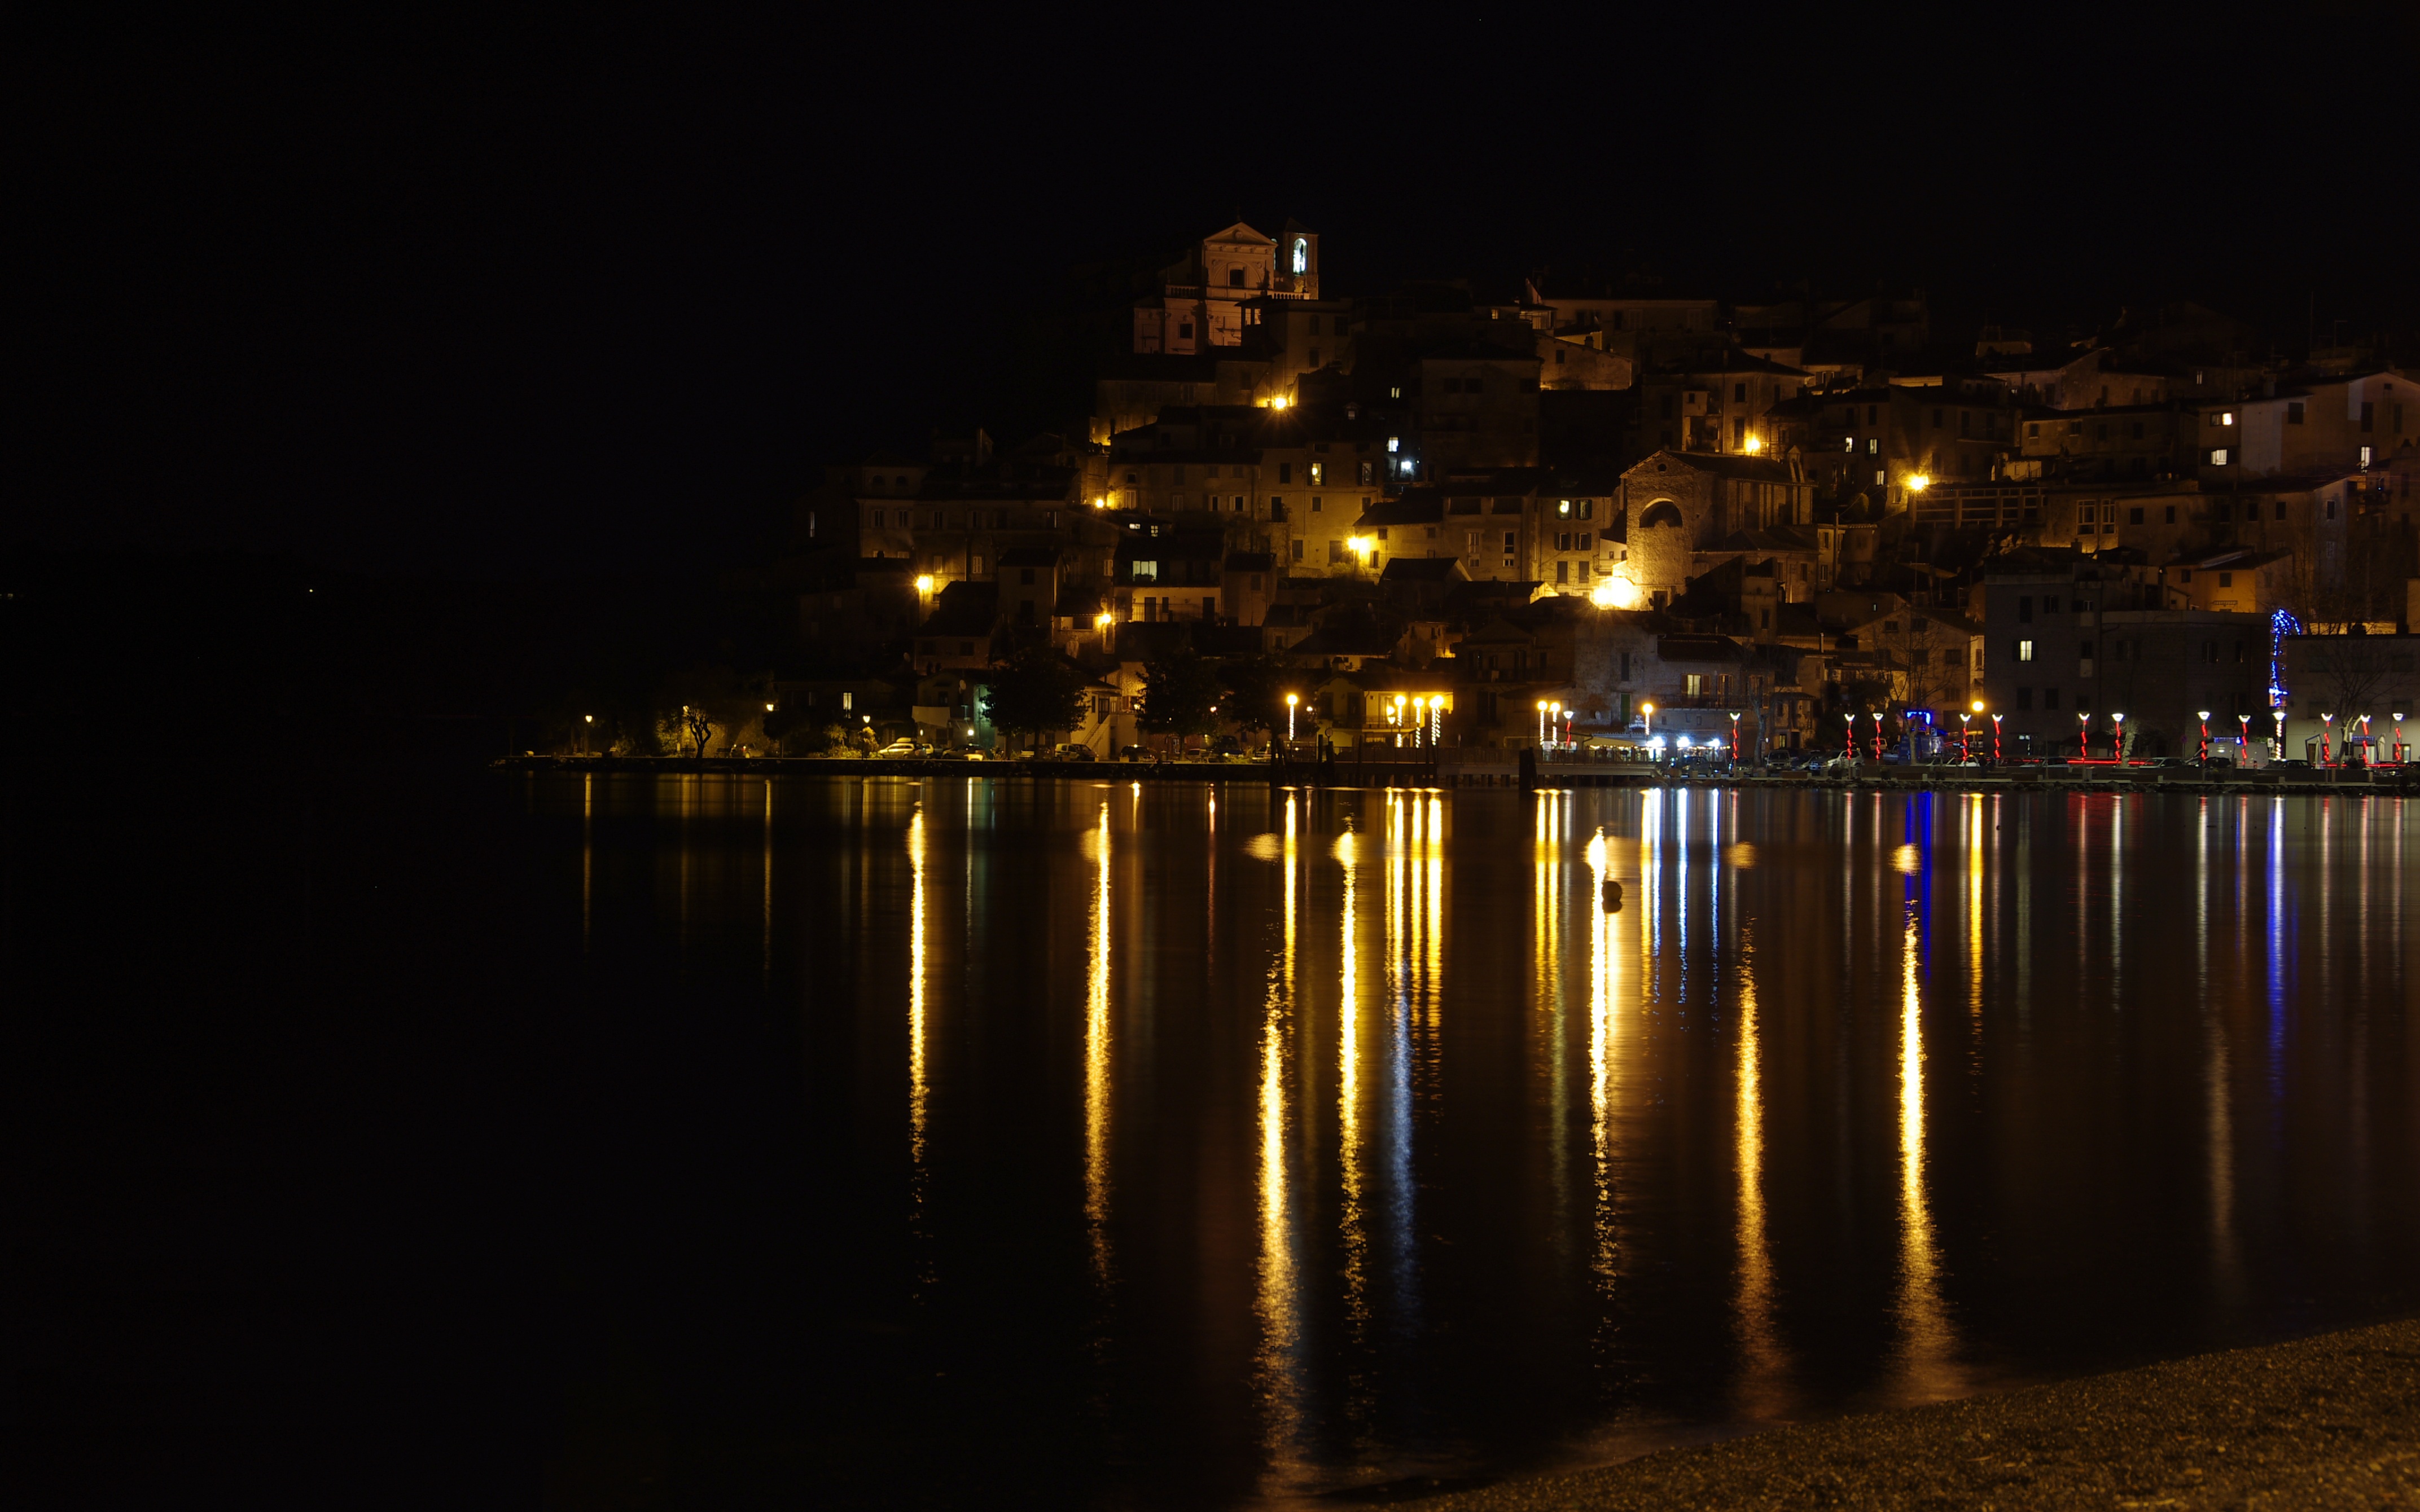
(2118, 738)
(925, 582)
(1995, 739)
(2368, 753)
(1965, 736)
(1554, 716)
(2204, 716)
(588, 720)
(1647, 713)
(1290, 703)
(1849, 738)
(1878, 735)
(2327, 724)
(1735, 739)
(2084, 737)
(2398, 740)
(1542, 723)
(2278, 746)
(2244, 740)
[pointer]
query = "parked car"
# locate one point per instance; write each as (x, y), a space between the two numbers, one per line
(1073, 753)
(905, 747)
(1134, 753)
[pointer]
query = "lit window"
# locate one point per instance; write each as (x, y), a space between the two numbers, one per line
(1873, 446)
(2227, 417)
(2218, 456)
(1881, 477)
(1395, 442)
(2025, 651)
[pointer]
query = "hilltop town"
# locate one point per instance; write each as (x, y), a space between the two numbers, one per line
(1498, 501)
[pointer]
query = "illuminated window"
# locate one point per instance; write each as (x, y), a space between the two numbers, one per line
(1318, 475)
(2218, 456)
(2025, 651)
(1302, 255)
(1873, 446)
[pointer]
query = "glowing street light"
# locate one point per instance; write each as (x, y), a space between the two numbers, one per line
(2277, 744)
(1918, 482)
(1878, 734)
(2398, 740)
(1541, 722)
(2327, 724)
(1290, 703)
(1965, 736)
(2083, 736)
(1995, 736)
(1753, 445)
(2243, 739)
(1647, 711)
(2204, 716)
(925, 582)
(2118, 738)
(1734, 737)
(1849, 742)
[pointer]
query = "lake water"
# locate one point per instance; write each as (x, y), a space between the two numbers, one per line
(1176, 1145)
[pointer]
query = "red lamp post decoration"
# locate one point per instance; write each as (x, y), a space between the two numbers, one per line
(2204, 714)
(2369, 751)
(2083, 736)
(2244, 740)
(1878, 735)
(1995, 739)
(1965, 737)
(2398, 740)
(2118, 738)
(1734, 739)
(2327, 723)
(1849, 737)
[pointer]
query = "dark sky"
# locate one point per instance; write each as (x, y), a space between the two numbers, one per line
(592, 292)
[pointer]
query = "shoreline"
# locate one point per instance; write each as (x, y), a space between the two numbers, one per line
(2329, 1420)
(1452, 775)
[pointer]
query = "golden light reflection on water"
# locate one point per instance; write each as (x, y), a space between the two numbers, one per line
(1350, 1221)
(917, 1091)
(1604, 998)
(1096, 1056)
(1926, 1357)
(1277, 1301)
(1763, 1390)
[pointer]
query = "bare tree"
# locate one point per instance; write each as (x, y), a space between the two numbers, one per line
(2351, 670)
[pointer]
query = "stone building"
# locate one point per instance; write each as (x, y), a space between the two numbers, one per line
(1676, 504)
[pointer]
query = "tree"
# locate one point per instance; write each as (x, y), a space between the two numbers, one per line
(2349, 669)
(1255, 692)
(1180, 696)
(1034, 691)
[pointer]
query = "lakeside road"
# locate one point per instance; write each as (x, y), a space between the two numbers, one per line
(2318, 1424)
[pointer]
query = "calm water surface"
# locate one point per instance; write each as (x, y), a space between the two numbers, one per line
(1192, 1147)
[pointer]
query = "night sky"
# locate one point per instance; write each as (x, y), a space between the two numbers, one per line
(603, 293)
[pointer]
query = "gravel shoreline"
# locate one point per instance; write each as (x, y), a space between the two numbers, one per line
(2320, 1423)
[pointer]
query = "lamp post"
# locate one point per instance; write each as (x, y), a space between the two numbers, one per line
(1554, 716)
(2118, 738)
(1734, 740)
(1419, 720)
(1849, 738)
(2398, 740)
(1290, 703)
(1965, 736)
(1542, 724)
(2369, 751)
(2204, 716)
(1395, 718)
(1995, 739)
(1647, 711)
(2244, 740)
(2327, 725)
(586, 720)
(2083, 736)
(1877, 737)
(2277, 744)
